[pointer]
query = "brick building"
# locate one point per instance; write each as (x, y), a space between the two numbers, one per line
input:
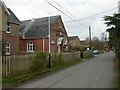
(9, 32)
(74, 41)
(35, 35)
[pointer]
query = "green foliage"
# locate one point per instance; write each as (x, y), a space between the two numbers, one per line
(77, 48)
(113, 22)
(40, 60)
(57, 59)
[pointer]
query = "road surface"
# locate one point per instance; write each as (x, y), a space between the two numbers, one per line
(98, 72)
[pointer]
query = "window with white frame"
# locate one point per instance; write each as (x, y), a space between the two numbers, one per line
(7, 48)
(30, 47)
(8, 29)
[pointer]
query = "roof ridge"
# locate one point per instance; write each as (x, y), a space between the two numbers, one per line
(41, 18)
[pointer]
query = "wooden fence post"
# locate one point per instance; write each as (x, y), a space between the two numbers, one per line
(6, 69)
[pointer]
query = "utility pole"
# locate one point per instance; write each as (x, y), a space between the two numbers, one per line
(90, 37)
(49, 42)
(49, 32)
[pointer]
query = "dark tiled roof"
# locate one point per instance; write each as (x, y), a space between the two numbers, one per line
(37, 28)
(71, 38)
(12, 18)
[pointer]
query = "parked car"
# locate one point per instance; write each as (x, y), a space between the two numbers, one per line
(96, 52)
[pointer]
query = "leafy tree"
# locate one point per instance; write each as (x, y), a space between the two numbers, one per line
(97, 44)
(113, 22)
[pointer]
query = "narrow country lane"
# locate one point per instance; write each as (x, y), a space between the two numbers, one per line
(98, 72)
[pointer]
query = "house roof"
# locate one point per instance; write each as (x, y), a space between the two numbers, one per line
(12, 17)
(4, 7)
(37, 28)
(71, 38)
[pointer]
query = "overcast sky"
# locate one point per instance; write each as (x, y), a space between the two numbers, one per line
(79, 9)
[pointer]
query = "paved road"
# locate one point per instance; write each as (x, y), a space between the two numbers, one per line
(95, 73)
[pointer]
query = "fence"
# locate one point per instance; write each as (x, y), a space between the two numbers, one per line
(66, 57)
(87, 53)
(13, 65)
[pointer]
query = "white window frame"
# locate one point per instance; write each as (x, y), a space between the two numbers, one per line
(7, 47)
(8, 26)
(29, 45)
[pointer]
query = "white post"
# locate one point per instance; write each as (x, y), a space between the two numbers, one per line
(50, 62)
(49, 34)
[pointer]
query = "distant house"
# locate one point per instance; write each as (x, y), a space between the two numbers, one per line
(84, 43)
(10, 31)
(35, 32)
(74, 41)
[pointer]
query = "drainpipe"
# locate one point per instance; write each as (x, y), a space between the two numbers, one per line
(43, 44)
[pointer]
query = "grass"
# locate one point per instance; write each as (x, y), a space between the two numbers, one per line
(89, 57)
(13, 80)
(101, 51)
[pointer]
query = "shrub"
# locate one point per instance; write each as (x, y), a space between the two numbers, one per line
(39, 61)
(60, 59)
(57, 59)
(77, 48)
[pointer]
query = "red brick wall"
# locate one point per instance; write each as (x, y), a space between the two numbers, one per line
(14, 43)
(75, 42)
(38, 45)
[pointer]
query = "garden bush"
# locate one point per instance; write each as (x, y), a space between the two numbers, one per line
(40, 60)
(57, 59)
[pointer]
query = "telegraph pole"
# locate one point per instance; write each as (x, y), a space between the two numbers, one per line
(49, 36)
(49, 33)
(90, 37)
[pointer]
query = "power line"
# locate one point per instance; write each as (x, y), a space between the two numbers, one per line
(64, 13)
(63, 8)
(95, 14)
(59, 10)
(68, 12)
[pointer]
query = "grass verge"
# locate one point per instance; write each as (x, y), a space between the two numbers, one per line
(89, 57)
(13, 80)
(101, 51)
